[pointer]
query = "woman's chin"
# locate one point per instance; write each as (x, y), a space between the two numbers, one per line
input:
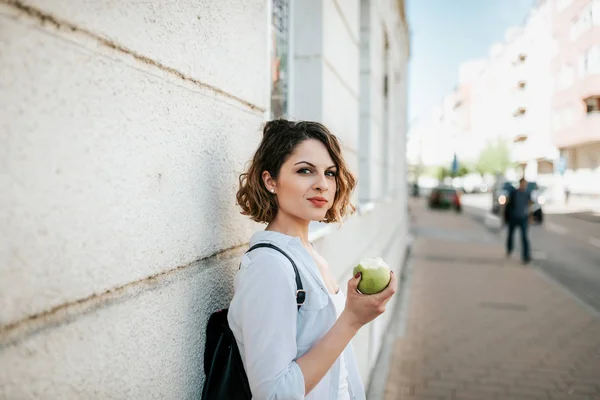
(314, 215)
(318, 216)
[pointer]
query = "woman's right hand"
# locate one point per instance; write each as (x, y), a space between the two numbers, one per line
(362, 308)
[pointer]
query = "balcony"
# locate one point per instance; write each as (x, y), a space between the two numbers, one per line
(519, 112)
(520, 137)
(581, 89)
(520, 129)
(521, 152)
(584, 130)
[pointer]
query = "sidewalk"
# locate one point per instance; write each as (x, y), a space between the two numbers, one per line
(480, 326)
(575, 204)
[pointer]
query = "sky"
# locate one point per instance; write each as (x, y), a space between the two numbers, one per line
(446, 33)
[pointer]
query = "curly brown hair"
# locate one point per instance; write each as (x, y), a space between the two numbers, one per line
(280, 138)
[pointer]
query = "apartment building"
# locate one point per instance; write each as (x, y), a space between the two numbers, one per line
(576, 101)
(508, 96)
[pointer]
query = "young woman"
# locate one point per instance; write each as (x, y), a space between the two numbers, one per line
(297, 176)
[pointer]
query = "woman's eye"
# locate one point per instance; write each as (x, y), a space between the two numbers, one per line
(331, 173)
(304, 171)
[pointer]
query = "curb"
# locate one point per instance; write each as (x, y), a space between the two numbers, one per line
(492, 222)
(379, 374)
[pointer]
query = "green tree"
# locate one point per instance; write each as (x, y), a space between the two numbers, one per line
(443, 173)
(495, 157)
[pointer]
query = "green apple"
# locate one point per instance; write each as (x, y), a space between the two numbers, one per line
(375, 275)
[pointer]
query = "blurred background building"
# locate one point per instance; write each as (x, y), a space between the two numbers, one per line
(576, 105)
(535, 97)
(124, 129)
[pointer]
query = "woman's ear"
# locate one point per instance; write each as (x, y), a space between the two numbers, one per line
(269, 182)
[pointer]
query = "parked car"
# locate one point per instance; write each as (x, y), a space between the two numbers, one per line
(500, 196)
(539, 196)
(472, 183)
(499, 191)
(445, 197)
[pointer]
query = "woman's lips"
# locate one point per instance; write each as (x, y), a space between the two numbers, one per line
(318, 202)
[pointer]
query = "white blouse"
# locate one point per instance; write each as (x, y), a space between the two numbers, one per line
(272, 333)
(339, 300)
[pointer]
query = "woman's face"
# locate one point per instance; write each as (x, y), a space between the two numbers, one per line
(306, 185)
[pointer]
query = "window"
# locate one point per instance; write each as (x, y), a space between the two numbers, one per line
(519, 112)
(365, 145)
(596, 12)
(582, 65)
(589, 62)
(520, 138)
(563, 4)
(565, 77)
(279, 58)
(520, 59)
(593, 60)
(592, 104)
(575, 29)
(385, 145)
(582, 23)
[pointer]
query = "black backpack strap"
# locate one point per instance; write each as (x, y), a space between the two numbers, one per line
(300, 292)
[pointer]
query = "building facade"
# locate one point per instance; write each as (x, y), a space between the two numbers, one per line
(508, 97)
(576, 112)
(127, 127)
(529, 53)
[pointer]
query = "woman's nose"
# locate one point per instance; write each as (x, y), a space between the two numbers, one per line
(321, 183)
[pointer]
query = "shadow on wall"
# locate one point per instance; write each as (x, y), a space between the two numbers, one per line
(146, 338)
(211, 287)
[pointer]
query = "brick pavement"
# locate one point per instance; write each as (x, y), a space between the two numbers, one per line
(480, 326)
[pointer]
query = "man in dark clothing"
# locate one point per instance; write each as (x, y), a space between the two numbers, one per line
(517, 215)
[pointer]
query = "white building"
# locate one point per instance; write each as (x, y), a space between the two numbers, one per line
(512, 97)
(507, 97)
(124, 129)
(446, 131)
(531, 52)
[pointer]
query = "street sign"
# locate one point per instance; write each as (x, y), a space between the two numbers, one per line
(562, 165)
(454, 165)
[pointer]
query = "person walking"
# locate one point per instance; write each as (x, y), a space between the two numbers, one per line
(517, 215)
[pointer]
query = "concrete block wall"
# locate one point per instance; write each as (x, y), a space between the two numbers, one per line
(125, 132)
(380, 134)
(124, 127)
(341, 71)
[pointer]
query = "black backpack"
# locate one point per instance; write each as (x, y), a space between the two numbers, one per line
(225, 375)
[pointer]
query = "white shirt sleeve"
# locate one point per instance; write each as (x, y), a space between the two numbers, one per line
(265, 298)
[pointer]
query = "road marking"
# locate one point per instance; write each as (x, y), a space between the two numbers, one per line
(556, 228)
(595, 242)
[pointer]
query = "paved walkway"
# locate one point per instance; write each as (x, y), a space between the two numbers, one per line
(480, 326)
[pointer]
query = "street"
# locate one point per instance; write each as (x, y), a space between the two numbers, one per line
(566, 245)
(478, 325)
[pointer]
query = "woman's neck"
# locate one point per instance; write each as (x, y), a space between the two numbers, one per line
(291, 227)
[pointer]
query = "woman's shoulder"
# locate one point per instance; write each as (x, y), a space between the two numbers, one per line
(266, 263)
